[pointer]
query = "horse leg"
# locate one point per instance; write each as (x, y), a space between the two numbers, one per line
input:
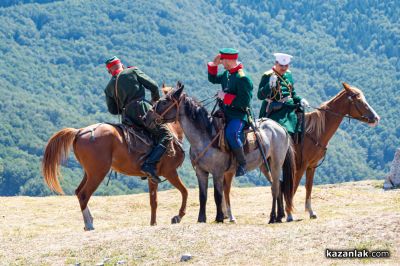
(84, 195)
(309, 183)
(228, 177)
(177, 182)
(298, 175)
(81, 184)
(281, 211)
(275, 189)
(153, 186)
(202, 178)
(218, 194)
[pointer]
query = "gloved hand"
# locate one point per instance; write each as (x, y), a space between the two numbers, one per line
(221, 95)
(304, 103)
(272, 81)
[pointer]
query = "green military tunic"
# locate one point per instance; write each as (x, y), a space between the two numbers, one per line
(129, 101)
(286, 116)
(239, 86)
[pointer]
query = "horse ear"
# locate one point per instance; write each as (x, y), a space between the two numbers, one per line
(163, 84)
(346, 86)
(179, 85)
(179, 90)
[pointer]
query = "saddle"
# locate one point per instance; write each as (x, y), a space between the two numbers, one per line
(221, 143)
(138, 140)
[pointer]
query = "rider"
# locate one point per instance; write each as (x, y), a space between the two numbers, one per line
(236, 94)
(279, 96)
(125, 95)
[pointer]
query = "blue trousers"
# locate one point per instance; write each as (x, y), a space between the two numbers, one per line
(234, 133)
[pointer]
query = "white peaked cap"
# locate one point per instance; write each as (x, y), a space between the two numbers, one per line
(282, 59)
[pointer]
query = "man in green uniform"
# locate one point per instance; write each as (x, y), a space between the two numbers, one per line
(236, 94)
(280, 100)
(125, 95)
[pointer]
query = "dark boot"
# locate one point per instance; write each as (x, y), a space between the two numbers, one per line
(239, 154)
(150, 165)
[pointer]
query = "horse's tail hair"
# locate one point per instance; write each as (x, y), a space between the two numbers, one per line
(289, 166)
(56, 152)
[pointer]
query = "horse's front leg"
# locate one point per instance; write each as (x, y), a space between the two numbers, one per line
(218, 195)
(153, 201)
(309, 183)
(228, 177)
(202, 178)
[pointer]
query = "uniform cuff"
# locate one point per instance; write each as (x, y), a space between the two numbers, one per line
(228, 98)
(212, 69)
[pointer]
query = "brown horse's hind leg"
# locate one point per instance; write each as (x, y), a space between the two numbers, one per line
(84, 195)
(153, 201)
(81, 184)
(309, 183)
(228, 177)
(177, 182)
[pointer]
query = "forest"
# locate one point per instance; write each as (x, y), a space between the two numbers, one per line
(53, 76)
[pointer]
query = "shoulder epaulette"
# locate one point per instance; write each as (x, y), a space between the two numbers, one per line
(241, 73)
(269, 72)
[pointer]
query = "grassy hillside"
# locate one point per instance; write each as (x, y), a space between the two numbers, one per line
(49, 230)
(52, 74)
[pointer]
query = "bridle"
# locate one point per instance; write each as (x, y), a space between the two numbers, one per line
(160, 117)
(352, 97)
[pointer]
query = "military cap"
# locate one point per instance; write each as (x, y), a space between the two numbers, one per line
(229, 53)
(112, 61)
(283, 59)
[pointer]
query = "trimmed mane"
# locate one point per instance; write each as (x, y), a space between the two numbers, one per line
(315, 120)
(198, 114)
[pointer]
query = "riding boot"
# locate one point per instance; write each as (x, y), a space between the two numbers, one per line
(150, 165)
(240, 158)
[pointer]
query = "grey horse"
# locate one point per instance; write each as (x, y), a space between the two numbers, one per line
(197, 127)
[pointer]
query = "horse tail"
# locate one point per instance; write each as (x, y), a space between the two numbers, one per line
(289, 166)
(56, 151)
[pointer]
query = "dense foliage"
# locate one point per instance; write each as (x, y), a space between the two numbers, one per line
(52, 71)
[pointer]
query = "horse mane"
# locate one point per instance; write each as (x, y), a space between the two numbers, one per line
(315, 122)
(198, 114)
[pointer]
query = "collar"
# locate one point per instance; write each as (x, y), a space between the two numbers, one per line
(236, 68)
(116, 72)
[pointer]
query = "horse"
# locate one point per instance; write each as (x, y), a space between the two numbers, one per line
(103, 149)
(195, 122)
(320, 126)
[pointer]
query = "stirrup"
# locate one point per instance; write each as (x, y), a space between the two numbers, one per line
(241, 170)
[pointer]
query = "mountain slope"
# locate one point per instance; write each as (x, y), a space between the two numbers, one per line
(52, 71)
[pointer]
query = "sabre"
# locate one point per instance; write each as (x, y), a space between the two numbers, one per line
(255, 129)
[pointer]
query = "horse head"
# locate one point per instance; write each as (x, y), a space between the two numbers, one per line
(166, 109)
(358, 106)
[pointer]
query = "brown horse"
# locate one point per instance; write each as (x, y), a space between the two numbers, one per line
(102, 147)
(320, 126)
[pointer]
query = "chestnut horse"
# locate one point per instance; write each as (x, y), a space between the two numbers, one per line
(320, 126)
(98, 152)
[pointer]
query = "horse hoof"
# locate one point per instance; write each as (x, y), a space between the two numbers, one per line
(289, 219)
(176, 220)
(278, 220)
(232, 221)
(88, 228)
(313, 216)
(271, 221)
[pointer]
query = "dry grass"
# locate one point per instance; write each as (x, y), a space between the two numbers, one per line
(49, 231)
